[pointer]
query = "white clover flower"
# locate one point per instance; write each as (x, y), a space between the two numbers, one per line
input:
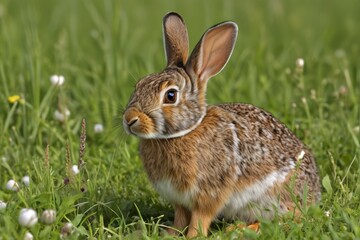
(27, 217)
(327, 213)
(75, 169)
(66, 230)
(28, 236)
(12, 185)
(2, 205)
(300, 63)
(57, 80)
(61, 116)
(98, 128)
(48, 216)
(26, 180)
(301, 155)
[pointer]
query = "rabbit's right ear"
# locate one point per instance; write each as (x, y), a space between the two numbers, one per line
(212, 51)
(176, 40)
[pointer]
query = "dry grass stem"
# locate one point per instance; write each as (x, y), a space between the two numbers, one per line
(82, 144)
(68, 163)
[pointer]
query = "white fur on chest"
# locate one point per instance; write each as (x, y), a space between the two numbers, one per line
(167, 190)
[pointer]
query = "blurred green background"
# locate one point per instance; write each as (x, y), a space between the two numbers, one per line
(103, 47)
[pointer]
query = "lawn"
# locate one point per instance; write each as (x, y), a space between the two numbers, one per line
(101, 48)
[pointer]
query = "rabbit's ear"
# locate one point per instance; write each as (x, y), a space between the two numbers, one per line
(213, 51)
(176, 40)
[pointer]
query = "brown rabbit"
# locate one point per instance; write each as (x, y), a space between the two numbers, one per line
(233, 160)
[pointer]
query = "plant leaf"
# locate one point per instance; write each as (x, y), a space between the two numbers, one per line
(327, 184)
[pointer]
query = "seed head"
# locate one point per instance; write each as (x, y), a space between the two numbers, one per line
(82, 146)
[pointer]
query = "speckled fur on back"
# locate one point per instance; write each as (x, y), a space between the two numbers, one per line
(232, 160)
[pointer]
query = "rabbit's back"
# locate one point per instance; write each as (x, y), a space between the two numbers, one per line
(266, 142)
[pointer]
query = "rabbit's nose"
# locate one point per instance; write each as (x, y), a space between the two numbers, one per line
(132, 121)
(131, 117)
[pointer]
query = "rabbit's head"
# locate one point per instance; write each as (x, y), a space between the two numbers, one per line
(172, 103)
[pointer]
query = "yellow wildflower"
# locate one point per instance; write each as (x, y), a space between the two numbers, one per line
(15, 98)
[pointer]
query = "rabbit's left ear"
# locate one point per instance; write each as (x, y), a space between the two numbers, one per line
(212, 51)
(176, 40)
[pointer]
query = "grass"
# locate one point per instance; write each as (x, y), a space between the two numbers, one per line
(103, 47)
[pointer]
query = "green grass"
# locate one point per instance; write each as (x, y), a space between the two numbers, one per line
(103, 47)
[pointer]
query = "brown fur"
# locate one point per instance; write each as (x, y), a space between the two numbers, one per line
(232, 159)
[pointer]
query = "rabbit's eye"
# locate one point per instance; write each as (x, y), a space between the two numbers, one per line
(170, 96)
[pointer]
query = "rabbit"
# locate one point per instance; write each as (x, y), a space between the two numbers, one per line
(232, 160)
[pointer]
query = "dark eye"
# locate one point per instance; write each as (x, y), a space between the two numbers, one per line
(170, 96)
